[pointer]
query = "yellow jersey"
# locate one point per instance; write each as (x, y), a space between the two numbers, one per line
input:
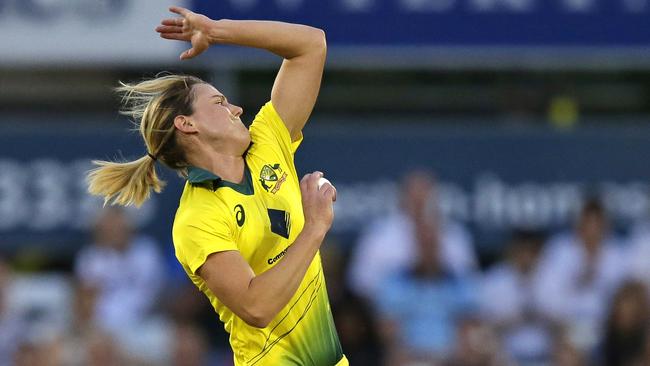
(260, 218)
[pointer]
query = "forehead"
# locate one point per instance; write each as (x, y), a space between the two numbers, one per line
(205, 91)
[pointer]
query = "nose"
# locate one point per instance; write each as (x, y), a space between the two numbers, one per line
(236, 110)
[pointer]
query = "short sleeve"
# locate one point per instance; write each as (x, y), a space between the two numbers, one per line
(196, 240)
(268, 128)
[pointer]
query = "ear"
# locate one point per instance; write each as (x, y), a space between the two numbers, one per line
(184, 124)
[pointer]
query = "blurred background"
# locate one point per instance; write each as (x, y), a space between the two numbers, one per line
(490, 156)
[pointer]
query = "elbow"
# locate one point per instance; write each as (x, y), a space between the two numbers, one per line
(322, 41)
(257, 322)
(257, 317)
(319, 40)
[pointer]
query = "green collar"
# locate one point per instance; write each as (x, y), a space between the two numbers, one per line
(203, 177)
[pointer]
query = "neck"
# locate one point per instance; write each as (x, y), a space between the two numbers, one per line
(228, 167)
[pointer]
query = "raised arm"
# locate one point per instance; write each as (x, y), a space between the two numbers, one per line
(303, 48)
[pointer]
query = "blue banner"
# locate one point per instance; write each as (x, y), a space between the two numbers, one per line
(490, 179)
(456, 23)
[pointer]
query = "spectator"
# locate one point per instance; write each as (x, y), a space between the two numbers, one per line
(510, 301)
(124, 274)
(388, 246)
(85, 344)
(646, 352)
(187, 306)
(626, 328)
(38, 352)
(358, 331)
(11, 325)
(419, 308)
(639, 252)
(476, 345)
(578, 273)
(102, 350)
(565, 353)
(190, 346)
(353, 314)
(81, 327)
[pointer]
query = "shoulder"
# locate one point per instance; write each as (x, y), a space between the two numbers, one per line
(614, 249)
(499, 273)
(392, 224)
(496, 279)
(200, 207)
(145, 245)
(455, 230)
(88, 257)
(199, 197)
(560, 241)
(202, 227)
(269, 128)
(399, 280)
(562, 246)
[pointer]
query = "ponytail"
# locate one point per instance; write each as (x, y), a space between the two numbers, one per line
(126, 183)
(155, 103)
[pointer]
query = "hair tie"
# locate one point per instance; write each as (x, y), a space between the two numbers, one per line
(153, 157)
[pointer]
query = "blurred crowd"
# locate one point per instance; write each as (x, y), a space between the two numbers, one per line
(571, 298)
(410, 291)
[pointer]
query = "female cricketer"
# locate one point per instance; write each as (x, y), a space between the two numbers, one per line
(247, 231)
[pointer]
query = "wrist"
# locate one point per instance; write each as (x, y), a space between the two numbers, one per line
(219, 32)
(314, 232)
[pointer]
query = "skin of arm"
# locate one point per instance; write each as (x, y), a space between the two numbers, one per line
(298, 81)
(302, 47)
(257, 299)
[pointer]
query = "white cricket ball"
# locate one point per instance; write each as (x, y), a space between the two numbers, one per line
(322, 181)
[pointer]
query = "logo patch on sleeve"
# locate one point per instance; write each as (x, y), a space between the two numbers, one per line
(280, 222)
(269, 177)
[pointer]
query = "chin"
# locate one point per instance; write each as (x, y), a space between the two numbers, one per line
(245, 141)
(247, 137)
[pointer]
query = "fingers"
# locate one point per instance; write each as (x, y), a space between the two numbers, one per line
(180, 11)
(169, 29)
(310, 181)
(313, 180)
(175, 36)
(188, 54)
(198, 47)
(173, 21)
(329, 191)
(303, 181)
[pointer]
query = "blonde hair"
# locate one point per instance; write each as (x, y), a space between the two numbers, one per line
(154, 103)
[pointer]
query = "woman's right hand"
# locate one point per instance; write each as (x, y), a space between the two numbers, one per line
(317, 204)
(191, 27)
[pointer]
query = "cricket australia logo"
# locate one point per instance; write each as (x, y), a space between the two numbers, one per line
(269, 177)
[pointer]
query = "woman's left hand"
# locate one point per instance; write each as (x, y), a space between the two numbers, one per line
(191, 27)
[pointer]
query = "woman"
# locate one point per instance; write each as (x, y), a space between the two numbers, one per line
(247, 232)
